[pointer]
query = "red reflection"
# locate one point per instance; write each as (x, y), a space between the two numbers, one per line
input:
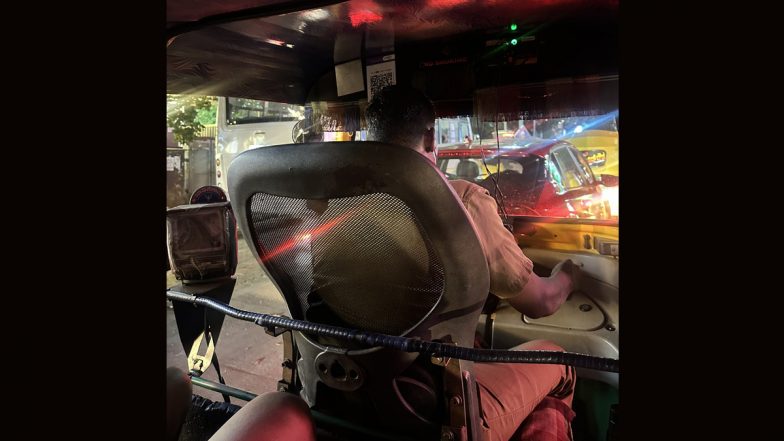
(442, 4)
(304, 237)
(364, 11)
(275, 42)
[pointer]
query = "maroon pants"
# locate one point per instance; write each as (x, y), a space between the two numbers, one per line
(517, 401)
(511, 392)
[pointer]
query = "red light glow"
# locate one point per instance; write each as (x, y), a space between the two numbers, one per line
(303, 237)
(364, 12)
(443, 4)
(476, 153)
(361, 17)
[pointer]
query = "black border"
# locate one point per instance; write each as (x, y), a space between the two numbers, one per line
(90, 322)
(685, 294)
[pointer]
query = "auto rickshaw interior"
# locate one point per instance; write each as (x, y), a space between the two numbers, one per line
(506, 67)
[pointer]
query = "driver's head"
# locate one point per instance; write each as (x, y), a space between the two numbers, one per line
(403, 116)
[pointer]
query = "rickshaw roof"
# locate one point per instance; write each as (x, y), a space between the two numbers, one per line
(285, 51)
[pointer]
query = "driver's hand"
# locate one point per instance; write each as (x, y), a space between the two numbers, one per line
(572, 270)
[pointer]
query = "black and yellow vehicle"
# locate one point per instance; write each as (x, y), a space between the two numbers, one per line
(600, 149)
(484, 62)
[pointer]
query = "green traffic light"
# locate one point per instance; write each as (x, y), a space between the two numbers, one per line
(514, 42)
(513, 26)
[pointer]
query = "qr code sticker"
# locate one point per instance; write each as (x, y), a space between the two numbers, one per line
(379, 76)
(380, 81)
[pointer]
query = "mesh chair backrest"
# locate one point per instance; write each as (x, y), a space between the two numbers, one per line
(370, 236)
(360, 261)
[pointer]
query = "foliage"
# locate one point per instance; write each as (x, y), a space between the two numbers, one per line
(209, 115)
(187, 115)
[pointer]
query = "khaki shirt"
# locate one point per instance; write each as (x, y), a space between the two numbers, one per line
(509, 268)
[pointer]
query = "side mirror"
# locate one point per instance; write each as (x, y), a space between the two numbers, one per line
(609, 180)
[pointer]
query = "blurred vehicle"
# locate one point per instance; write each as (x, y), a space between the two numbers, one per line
(600, 148)
(548, 178)
(245, 124)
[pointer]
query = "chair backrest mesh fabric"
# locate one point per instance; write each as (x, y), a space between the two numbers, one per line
(362, 261)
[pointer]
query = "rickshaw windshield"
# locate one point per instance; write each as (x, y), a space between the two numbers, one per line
(502, 77)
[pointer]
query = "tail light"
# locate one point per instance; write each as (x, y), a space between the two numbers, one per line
(610, 194)
(590, 206)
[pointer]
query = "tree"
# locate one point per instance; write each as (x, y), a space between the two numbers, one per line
(187, 114)
(208, 115)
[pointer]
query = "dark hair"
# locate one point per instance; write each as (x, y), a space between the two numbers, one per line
(399, 115)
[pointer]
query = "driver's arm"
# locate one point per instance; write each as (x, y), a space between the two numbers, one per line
(511, 275)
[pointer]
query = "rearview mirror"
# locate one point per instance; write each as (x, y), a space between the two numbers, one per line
(609, 180)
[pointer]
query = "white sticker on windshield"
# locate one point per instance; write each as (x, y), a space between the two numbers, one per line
(172, 163)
